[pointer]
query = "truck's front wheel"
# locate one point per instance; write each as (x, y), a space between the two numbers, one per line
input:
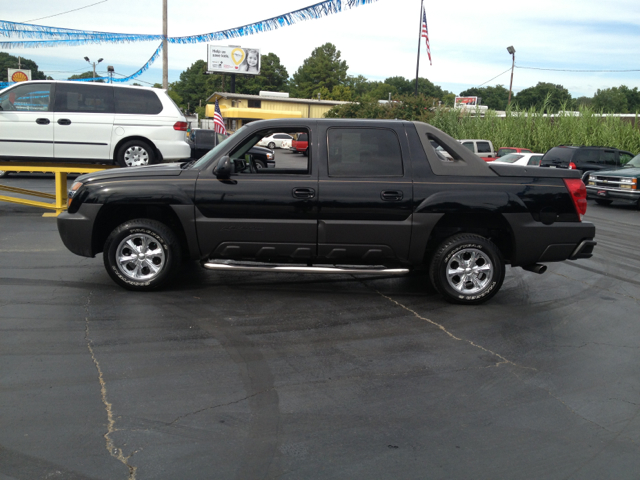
(141, 254)
(467, 269)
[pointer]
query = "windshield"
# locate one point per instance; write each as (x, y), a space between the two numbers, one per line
(510, 158)
(634, 162)
(215, 150)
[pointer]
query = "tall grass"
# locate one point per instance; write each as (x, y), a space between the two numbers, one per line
(531, 128)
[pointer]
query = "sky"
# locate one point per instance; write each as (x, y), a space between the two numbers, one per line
(469, 39)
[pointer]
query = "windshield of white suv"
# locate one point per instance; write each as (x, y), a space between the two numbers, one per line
(633, 163)
(215, 150)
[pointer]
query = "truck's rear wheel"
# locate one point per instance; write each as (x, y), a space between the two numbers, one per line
(467, 269)
(141, 254)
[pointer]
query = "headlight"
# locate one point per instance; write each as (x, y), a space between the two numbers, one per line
(72, 192)
(269, 156)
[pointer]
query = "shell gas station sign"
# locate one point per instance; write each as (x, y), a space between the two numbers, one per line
(18, 75)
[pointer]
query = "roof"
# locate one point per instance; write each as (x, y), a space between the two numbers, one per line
(242, 96)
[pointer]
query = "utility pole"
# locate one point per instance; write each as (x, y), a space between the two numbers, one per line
(419, 38)
(512, 51)
(165, 53)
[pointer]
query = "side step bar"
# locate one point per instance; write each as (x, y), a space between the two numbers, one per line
(302, 269)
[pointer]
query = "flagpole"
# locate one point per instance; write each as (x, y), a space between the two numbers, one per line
(419, 38)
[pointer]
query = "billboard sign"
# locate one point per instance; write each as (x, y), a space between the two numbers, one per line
(233, 60)
(18, 75)
(466, 101)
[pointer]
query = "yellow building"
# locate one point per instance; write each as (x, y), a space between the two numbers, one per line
(238, 109)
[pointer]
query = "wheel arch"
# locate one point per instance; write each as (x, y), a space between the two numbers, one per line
(111, 216)
(490, 225)
(122, 141)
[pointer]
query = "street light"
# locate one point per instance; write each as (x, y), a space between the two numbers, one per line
(110, 70)
(512, 52)
(94, 66)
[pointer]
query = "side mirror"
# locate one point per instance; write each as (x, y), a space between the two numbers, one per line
(223, 168)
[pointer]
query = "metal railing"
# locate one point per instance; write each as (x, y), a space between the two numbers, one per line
(60, 170)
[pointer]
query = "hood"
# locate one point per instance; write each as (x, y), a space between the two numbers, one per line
(160, 170)
(633, 172)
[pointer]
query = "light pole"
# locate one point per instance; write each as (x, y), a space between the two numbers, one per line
(110, 70)
(94, 66)
(512, 51)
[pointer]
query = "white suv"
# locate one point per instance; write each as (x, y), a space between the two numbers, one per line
(90, 123)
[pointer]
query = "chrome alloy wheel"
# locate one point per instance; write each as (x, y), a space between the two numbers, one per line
(140, 257)
(469, 271)
(136, 156)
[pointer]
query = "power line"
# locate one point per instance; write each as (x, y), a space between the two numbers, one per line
(566, 70)
(494, 77)
(68, 11)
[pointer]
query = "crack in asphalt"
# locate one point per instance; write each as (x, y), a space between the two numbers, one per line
(503, 360)
(220, 405)
(114, 451)
(604, 274)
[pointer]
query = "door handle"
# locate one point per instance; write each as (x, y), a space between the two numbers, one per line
(391, 195)
(303, 193)
(64, 121)
(43, 121)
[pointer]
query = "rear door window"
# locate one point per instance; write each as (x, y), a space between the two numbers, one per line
(137, 101)
(79, 98)
(625, 157)
(484, 147)
(469, 146)
(364, 152)
(608, 158)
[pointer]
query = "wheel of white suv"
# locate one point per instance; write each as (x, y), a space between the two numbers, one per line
(135, 153)
(467, 269)
(141, 254)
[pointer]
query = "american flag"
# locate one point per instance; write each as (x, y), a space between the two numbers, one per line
(425, 34)
(218, 122)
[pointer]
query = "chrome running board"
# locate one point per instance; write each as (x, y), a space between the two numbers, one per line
(302, 269)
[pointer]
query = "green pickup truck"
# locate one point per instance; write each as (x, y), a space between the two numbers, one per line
(622, 184)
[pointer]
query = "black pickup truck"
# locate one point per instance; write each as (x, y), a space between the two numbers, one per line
(371, 197)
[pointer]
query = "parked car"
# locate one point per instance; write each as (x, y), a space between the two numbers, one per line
(90, 123)
(277, 140)
(507, 150)
(483, 148)
(202, 140)
(621, 184)
(585, 159)
(377, 199)
(530, 159)
(300, 143)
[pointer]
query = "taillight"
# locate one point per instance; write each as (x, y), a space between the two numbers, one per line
(572, 166)
(181, 126)
(578, 193)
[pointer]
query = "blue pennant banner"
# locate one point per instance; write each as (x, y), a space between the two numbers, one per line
(58, 37)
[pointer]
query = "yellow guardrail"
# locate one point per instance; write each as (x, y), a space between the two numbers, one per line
(61, 170)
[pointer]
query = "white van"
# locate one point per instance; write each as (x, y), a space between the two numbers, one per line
(90, 123)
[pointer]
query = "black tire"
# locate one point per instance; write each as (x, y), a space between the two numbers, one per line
(602, 201)
(485, 266)
(162, 250)
(306, 153)
(271, 145)
(3, 173)
(260, 164)
(135, 153)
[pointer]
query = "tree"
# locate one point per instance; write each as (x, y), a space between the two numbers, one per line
(9, 61)
(273, 77)
(323, 68)
(620, 99)
(194, 86)
(551, 97)
(88, 74)
(495, 98)
(426, 88)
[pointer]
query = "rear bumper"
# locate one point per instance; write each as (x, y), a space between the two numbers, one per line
(76, 229)
(535, 242)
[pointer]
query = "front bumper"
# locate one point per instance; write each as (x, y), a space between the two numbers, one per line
(631, 196)
(76, 229)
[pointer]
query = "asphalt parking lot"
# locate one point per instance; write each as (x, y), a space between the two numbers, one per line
(295, 376)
